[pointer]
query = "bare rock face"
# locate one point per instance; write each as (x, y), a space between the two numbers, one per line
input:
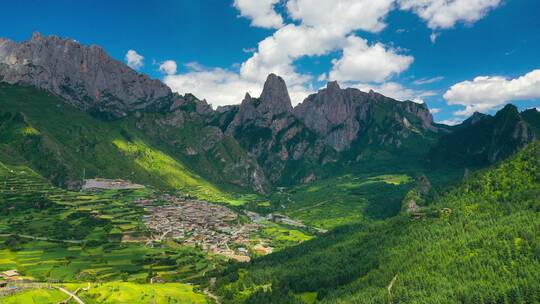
(267, 129)
(341, 116)
(85, 76)
(332, 114)
(275, 96)
(274, 101)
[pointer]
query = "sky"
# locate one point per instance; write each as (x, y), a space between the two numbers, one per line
(458, 56)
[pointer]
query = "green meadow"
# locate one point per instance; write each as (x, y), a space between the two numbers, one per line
(36, 296)
(344, 199)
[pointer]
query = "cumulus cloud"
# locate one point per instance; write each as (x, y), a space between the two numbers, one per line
(220, 86)
(365, 63)
(323, 28)
(433, 37)
(451, 121)
(320, 27)
(341, 16)
(276, 53)
(396, 91)
(484, 93)
(444, 14)
(261, 12)
(168, 67)
(434, 110)
(134, 60)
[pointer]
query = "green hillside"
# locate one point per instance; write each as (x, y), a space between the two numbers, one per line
(478, 243)
(62, 143)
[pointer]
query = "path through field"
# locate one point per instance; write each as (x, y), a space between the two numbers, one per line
(72, 295)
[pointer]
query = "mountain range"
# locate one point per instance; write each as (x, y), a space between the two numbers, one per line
(259, 144)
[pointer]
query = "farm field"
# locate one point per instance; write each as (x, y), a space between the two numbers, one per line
(71, 238)
(36, 296)
(112, 293)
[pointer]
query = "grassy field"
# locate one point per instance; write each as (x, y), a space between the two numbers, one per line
(343, 200)
(112, 293)
(52, 234)
(131, 293)
(35, 296)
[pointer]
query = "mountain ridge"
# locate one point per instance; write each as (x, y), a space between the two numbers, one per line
(270, 142)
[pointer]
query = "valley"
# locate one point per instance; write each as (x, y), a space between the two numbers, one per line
(129, 235)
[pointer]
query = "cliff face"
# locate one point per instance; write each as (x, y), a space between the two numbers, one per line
(343, 116)
(327, 125)
(260, 142)
(267, 129)
(85, 76)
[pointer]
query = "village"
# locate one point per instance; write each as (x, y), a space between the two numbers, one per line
(212, 227)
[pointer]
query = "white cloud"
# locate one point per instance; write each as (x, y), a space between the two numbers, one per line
(484, 93)
(134, 60)
(320, 27)
(443, 14)
(249, 50)
(451, 121)
(365, 63)
(434, 110)
(396, 91)
(277, 53)
(341, 16)
(168, 67)
(261, 12)
(221, 87)
(433, 37)
(423, 81)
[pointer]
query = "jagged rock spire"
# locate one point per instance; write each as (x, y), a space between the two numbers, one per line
(275, 96)
(333, 86)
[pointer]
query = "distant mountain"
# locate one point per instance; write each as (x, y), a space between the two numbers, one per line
(484, 139)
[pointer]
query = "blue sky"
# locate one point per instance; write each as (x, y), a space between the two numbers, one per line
(383, 45)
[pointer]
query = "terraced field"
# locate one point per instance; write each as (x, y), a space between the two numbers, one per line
(111, 293)
(49, 234)
(32, 207)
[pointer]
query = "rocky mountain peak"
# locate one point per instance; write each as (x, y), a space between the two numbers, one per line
(275, 96)
(84, 75)
(333, 86)
(36, 36)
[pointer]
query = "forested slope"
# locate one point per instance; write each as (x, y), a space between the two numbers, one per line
(478, 243)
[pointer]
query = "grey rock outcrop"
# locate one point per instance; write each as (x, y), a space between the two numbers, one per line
(85, 76)
(340, 116)
(267, 129)
(263, 111)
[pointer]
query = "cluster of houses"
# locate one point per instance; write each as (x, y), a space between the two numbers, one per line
(9, 276)
(213, 227)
